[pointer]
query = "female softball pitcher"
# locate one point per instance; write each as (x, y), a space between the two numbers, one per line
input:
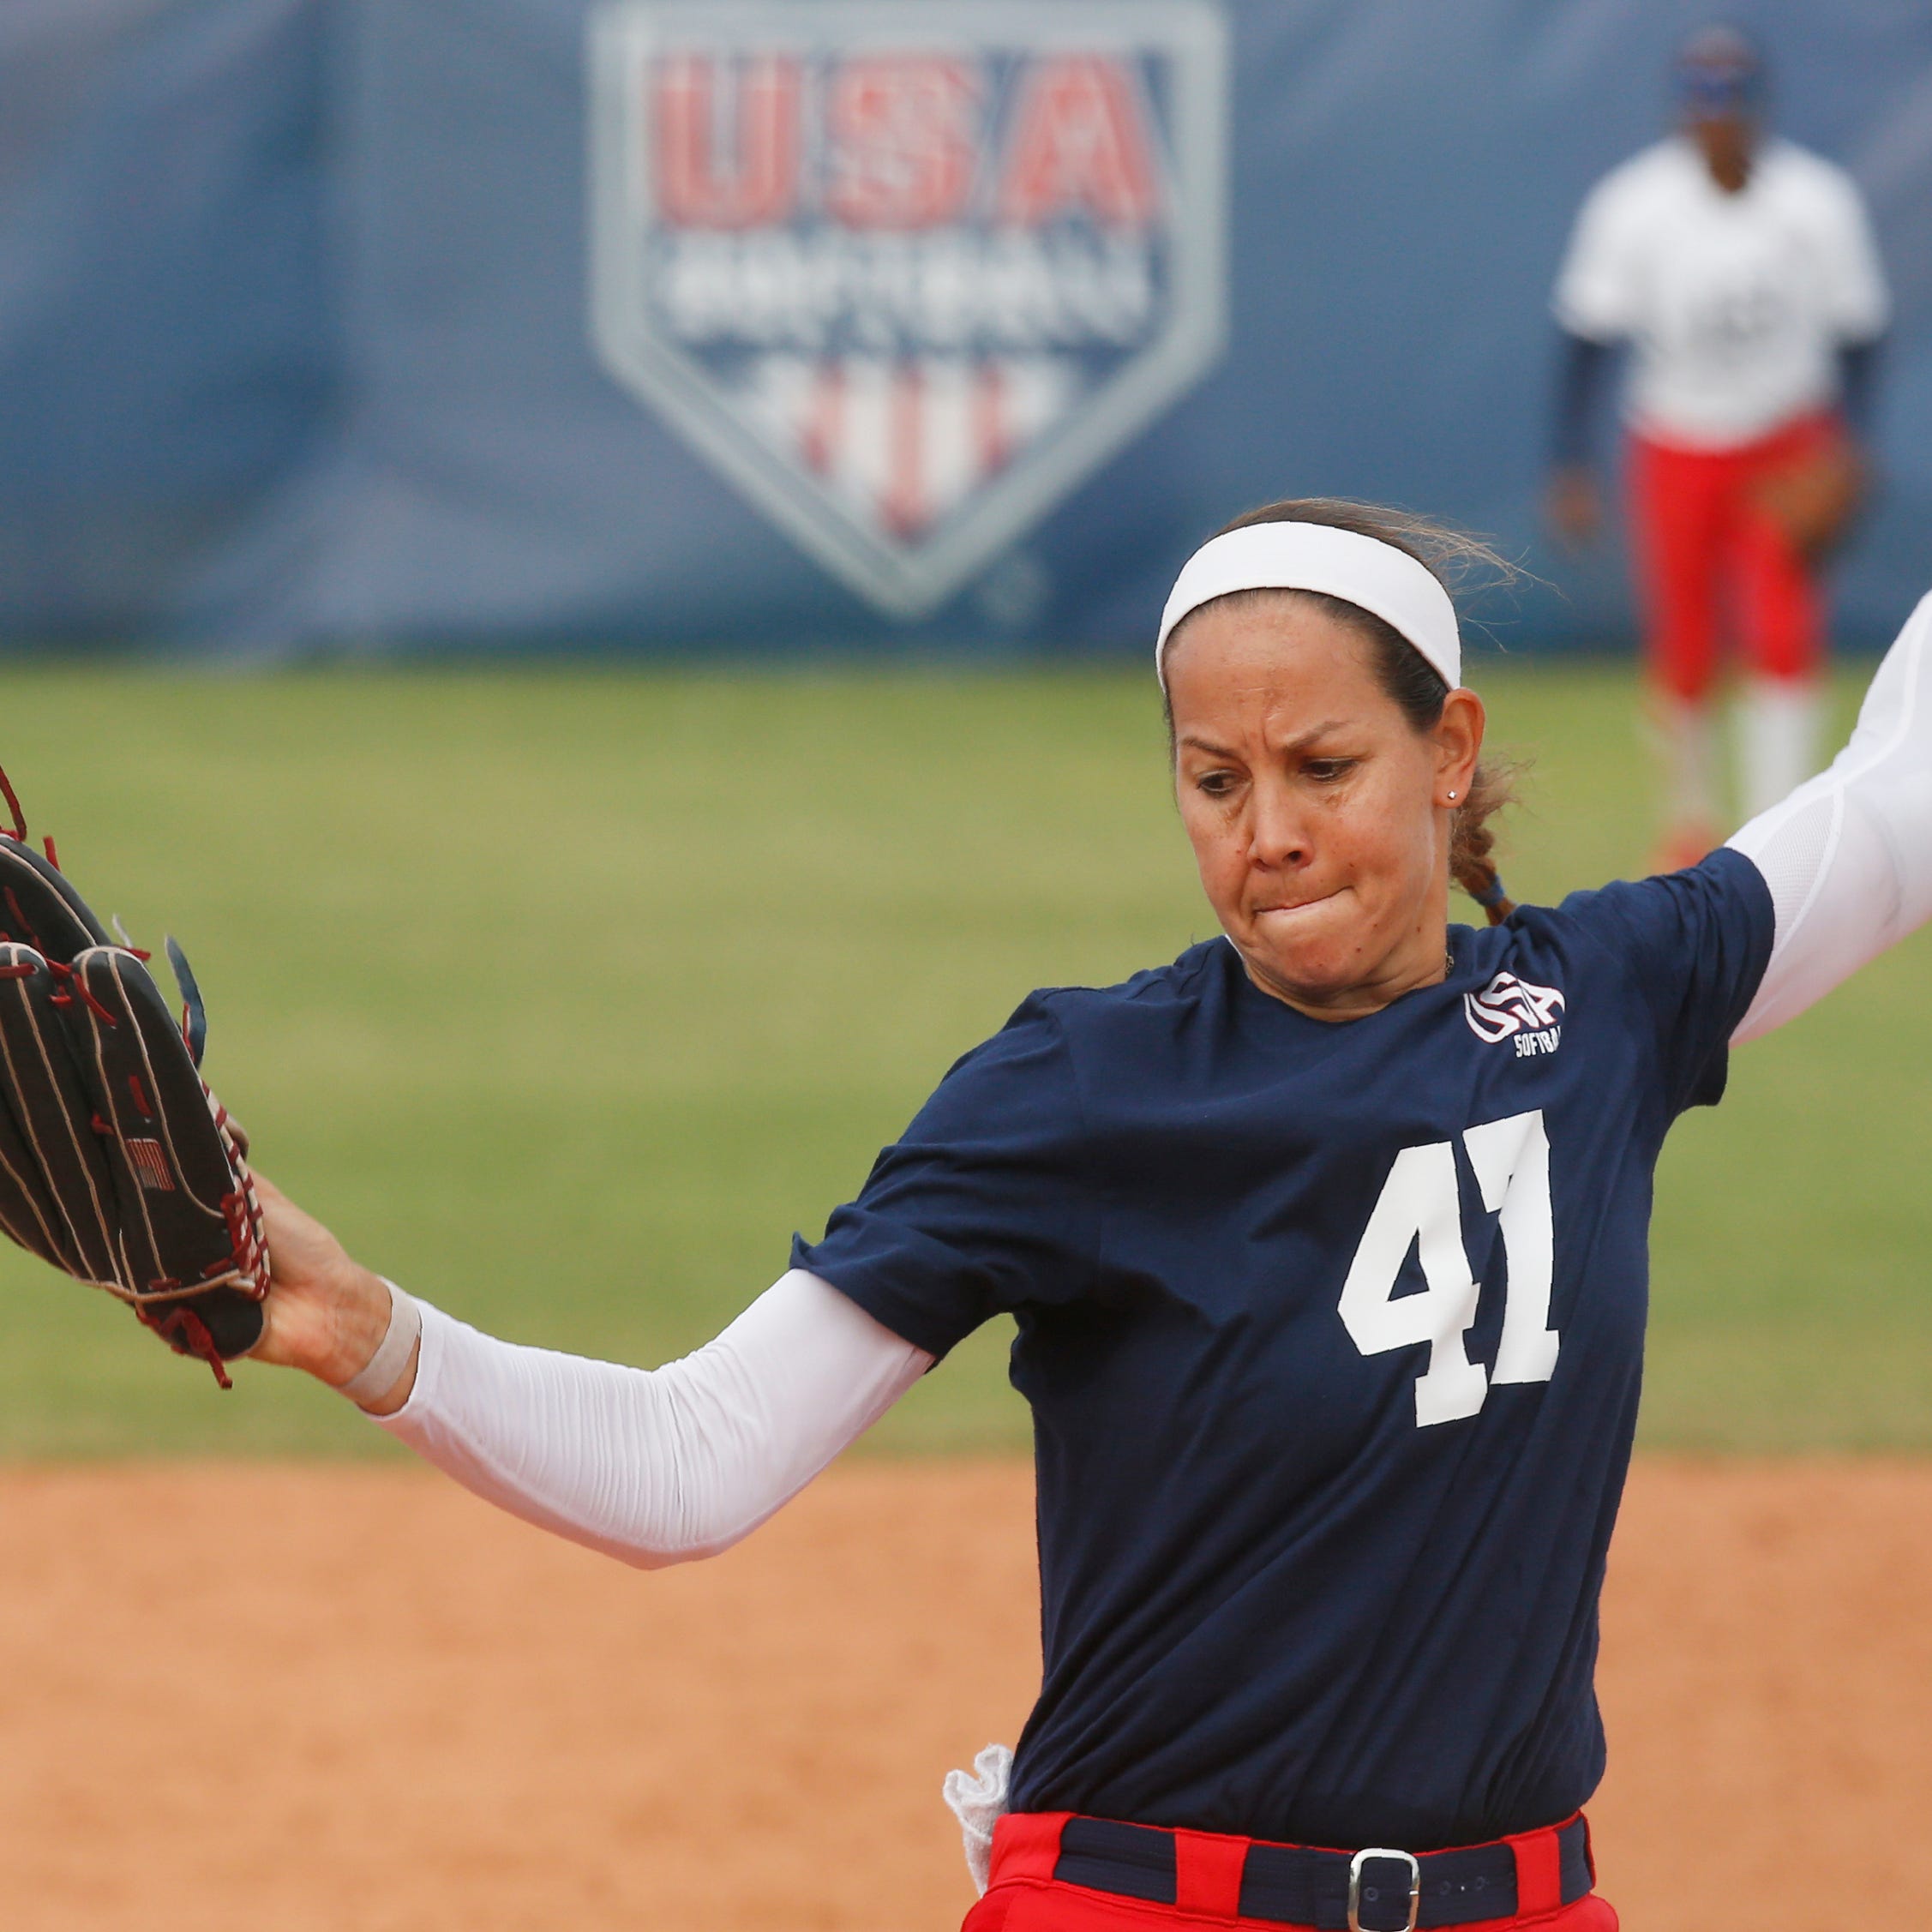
(1327, 1244)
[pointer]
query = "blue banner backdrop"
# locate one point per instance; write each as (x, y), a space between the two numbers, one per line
(789, 324)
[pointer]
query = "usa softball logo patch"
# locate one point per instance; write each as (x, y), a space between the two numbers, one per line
(907, 274)
(1512, 1008)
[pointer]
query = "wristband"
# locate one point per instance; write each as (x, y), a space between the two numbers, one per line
(384, 1368)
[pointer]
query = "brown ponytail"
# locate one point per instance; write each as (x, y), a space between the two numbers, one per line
(1414, 684)
(1472, 840)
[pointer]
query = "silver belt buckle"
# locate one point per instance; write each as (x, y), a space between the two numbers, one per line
(1355, 1866)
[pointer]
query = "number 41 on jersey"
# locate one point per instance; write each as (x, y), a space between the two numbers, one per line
(1421, 1208)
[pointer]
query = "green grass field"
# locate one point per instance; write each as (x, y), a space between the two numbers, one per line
(566, 996)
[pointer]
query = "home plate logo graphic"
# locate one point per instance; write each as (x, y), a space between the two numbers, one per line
(906, 273)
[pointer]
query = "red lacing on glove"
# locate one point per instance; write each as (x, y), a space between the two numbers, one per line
(69, 977)
(21, 919)
(183, 1330)
(245, 1237)
(19, 833)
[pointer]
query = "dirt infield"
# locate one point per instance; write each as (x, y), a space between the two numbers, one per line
(372, 1704)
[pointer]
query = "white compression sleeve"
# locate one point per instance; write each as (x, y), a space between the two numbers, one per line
(658, 1466)
(1848, 856)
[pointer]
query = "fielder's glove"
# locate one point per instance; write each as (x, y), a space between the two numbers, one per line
(117, 1163)
(1815, 498)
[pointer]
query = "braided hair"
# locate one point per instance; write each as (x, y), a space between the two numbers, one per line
(1413, 684)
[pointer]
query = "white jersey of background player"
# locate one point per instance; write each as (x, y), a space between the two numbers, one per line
(1740, 274)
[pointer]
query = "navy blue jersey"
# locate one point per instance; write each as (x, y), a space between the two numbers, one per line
(1333, 1335)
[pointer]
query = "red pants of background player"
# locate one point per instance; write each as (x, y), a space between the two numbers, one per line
(1025, 1897)
(1706, 553)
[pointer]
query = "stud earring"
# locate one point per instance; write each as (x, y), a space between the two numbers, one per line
(1452, 795)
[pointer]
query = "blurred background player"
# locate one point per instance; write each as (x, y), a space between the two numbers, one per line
(1741, 271)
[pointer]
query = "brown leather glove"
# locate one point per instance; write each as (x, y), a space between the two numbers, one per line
(1815, 500)
(117, 1163)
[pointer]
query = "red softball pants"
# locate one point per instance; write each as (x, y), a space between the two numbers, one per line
(1705, 554)
(1024, 1896)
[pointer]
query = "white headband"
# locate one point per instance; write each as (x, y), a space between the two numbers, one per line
(1312, 556)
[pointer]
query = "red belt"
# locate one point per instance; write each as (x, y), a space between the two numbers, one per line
(1376, 1890)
